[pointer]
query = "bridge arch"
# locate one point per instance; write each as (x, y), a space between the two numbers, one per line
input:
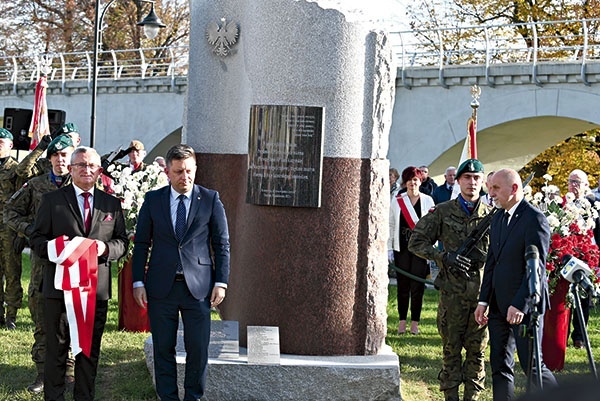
(515, 123)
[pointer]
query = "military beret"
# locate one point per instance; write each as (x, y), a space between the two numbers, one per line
(59, 143)
(470, 166)
(68, 128)
(4, 133)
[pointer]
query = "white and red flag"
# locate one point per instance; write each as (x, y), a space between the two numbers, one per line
(77, 276)
(40, 125)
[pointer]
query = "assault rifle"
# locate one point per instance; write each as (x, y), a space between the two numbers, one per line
(470, 243)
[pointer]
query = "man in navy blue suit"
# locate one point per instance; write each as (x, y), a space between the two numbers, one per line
(181, 225)
(504, 289)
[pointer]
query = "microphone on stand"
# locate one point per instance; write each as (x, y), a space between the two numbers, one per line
(532, 259)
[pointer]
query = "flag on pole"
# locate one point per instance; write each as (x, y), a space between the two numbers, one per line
(469, 150)
(40, 125)
(470, 147)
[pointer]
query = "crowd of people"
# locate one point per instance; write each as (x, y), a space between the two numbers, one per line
(477, 240)
(58, 201)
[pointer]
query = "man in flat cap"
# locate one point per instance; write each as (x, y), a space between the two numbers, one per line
(19, 215)
(459, 281)
(135, 152)
(11, 291)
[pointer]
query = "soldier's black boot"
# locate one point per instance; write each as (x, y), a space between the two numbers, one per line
(38, 385)
(11, 323)
(11, 318)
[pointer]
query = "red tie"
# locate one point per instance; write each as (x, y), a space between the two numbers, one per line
(87, 216)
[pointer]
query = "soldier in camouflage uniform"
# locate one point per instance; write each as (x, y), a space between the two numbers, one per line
(11, 291)
(34, 164)
(459, 281)
(19, 214)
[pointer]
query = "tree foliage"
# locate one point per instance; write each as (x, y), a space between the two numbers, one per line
(52, 26)
(436, 14)
(581, 151)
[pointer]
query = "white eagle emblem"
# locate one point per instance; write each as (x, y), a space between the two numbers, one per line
(222, 37)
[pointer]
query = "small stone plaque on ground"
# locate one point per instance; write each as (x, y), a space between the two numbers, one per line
(224, 340)
(285, 155)
(263, 345)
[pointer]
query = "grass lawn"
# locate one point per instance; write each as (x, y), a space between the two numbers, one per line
(123, 374)
(420, 355)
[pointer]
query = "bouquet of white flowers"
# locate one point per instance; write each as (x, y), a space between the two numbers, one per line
(131, 188)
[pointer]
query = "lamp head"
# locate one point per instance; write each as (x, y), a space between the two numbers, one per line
(151, 24)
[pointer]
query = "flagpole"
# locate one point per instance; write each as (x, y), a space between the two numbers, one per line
(469, 150)
(472, 128)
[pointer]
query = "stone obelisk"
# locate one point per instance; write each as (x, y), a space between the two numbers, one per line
(317, 272)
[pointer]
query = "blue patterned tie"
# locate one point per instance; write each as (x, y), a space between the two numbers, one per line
(180, 224)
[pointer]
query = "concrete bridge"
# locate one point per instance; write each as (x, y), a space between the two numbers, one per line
(139, 96)
(532, 97)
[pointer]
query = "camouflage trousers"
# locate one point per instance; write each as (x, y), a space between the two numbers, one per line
(458, 329)
(36, 307)
(11, 291)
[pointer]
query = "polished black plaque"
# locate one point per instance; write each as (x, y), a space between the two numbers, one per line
(285, 155)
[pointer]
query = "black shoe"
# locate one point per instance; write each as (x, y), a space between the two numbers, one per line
(38, 385)
(11, 324)
(578, 344)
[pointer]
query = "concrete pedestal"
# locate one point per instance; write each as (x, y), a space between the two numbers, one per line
(360, 378)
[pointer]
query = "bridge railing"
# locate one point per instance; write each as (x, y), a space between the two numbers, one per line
(143, 63)
(532, 42)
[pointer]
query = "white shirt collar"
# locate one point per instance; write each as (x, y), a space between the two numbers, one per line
(175, 194)
(79, 191)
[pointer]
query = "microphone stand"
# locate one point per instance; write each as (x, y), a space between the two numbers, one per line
(535, 345)
(584, 332)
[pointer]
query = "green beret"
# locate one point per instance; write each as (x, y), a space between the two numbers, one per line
(470, 166)
(68, 128)
(4, 133)
(59, 143)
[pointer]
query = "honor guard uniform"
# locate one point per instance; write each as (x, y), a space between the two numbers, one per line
(451, 223)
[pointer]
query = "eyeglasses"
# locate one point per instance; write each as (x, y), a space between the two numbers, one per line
(83, 166)
(574, 182)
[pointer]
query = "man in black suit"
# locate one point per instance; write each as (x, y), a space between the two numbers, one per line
(184, 228)
(75, 211)
(505, 289)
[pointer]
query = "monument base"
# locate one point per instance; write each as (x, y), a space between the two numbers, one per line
(297, 377)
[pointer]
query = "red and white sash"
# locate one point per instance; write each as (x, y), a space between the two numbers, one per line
(408, 211)
(77, 276)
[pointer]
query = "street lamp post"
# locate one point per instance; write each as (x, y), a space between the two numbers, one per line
(151, 26)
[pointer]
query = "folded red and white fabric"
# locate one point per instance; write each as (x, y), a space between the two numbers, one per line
(77, 276)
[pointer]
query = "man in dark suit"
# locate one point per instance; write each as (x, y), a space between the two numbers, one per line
(183, 224)
(505, 289)
(77, 210)
(443, 192)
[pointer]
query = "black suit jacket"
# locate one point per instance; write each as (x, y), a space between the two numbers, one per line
(59, 214)
(203, 251)
(505, 274)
